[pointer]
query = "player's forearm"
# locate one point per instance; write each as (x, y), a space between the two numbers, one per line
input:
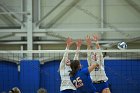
(97, 45)
(89, 59)
(65, 54)
(92, 67)
(76, 57)
(65, 57)
(89, 56)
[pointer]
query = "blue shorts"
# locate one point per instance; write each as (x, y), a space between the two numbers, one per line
(100, 86)
(68, 91)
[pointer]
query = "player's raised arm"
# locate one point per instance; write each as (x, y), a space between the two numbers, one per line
(93, 66)
(78, 44)
(65, 59)
(88, 41)
(99, 55)
(95, 38)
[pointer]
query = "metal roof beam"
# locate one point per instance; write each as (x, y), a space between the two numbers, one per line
(86, 29)
(71, 30)
(61, 13)
(11, 15)
(46, 15)
(7, 36)
(134, 5)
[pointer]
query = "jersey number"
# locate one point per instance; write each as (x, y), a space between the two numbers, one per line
(78, 82)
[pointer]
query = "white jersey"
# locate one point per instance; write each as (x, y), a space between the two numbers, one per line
(64, 73)
(98, 73)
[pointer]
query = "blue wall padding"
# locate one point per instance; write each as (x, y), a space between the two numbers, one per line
(29, 76)
(8, 76)
(50, 78)
(124, 75)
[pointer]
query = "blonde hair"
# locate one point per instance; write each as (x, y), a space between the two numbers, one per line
(15, 90)
(42, 90)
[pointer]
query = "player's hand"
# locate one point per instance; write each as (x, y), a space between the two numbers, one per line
(88, 40)
(79, 43)
(69, 42)
(95, 38)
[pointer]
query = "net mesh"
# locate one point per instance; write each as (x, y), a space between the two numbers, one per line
(121, 66)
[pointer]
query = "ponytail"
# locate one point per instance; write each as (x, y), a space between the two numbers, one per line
(74, 67)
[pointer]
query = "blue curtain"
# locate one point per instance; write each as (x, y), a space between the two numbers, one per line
(124, 75)
(8, 76)
(50, 78)
(29, 76)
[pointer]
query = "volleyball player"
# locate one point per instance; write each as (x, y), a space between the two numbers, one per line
(98, 75)
(66, 85)
(81, 77)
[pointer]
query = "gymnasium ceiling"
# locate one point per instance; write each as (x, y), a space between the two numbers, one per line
(29, 24)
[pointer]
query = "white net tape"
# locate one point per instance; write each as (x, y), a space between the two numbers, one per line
(47, 55)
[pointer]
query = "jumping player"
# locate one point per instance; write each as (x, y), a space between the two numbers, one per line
(98, 75)
(66, 85)
(81, 77)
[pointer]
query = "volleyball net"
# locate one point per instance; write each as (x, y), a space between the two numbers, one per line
(48, 55)
(34, 69)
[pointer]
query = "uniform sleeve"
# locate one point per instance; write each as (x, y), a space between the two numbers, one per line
(85, 71)
(65, 57)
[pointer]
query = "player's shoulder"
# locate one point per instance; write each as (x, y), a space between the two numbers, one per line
(84, 70)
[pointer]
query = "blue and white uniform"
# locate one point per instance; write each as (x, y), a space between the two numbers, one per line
(66, 84)
(98, 75)
(82, 81)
